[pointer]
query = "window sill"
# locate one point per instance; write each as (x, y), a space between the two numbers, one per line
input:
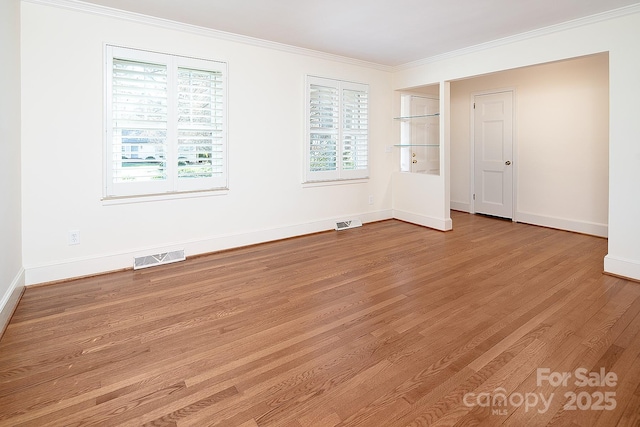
(123, 200)
(310, 184)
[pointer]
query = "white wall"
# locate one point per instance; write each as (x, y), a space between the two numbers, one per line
(62, 129)
(421, 198)
(619, 35)
(62, 74)
(11, 273)
(561, 142)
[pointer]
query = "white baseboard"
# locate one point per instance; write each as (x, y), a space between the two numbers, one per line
(426, 221)
(91, 265)
(592, 228)
(10, 299)
(622, 267)
(460, 206)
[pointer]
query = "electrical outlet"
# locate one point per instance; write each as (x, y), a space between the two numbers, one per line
(370, 199)
(74, 237)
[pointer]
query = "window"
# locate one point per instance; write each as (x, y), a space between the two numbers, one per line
(165, 123)
(337, 143)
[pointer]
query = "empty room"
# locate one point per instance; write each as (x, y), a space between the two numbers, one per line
(262, 213)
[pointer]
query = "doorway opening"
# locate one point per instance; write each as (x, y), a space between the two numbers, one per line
(560, 155)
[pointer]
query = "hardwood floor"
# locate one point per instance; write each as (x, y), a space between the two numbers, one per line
(390, 324)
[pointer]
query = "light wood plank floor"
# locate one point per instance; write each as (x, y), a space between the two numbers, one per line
(390, 324)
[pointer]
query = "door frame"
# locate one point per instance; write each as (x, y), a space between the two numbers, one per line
(472, 161)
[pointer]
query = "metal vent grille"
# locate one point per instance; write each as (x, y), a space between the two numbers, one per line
(158, 259)
(343, 225)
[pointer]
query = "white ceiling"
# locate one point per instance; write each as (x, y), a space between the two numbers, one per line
(385, 32)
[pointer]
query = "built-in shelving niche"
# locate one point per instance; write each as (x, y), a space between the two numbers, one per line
(419, 142)
(419, 186)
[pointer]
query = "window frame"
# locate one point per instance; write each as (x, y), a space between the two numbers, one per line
(173, 184)
(339, 174)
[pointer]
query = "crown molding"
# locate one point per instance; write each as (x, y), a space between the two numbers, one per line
(568, 25)
(80, 6)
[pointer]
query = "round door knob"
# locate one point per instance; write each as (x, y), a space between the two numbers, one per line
(508, 162)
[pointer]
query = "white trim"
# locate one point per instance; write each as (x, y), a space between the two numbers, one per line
(107, 201)
(139, 18)
(472, 154)
(564, 26)
(426, 221)
(102, 263)
(311, 184)
(80, 6)
(11, 298)
(584, 227)
(622, 267)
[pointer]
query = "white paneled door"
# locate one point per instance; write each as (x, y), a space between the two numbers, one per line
(493, 154)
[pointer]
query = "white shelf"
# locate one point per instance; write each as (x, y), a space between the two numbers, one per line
(409, 118)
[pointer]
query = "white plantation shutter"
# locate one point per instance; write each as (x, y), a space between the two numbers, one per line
(355, 131)
(337, 130)
(165, 123)
(138, 111)
(324, 125)
(201, 141)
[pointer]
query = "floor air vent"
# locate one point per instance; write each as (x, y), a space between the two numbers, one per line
(343, 225)
(158, 259)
